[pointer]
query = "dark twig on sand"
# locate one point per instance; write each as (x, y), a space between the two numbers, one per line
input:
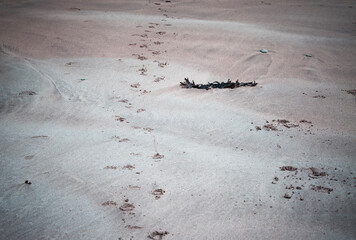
(216, 84)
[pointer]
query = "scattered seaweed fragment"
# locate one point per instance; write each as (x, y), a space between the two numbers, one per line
(216, 84)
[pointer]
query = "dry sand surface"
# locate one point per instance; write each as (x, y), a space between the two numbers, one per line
(93, 118)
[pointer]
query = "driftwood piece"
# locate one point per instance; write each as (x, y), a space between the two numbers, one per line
(216, 84)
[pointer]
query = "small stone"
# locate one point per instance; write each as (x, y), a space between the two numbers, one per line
(308, 55)
(263, 50)
(28, 182)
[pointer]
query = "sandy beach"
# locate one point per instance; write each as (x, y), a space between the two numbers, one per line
(100, 141)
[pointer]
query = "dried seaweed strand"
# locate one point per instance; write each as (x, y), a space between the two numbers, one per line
(216, 84)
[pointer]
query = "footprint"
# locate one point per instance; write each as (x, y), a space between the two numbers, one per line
(352, 92)
(136, 85)
(158, 79)
(157, 235)
(111, 167)
(140, 35)
(74, 9)
(118, 118)
(161, 64)
(145, 91)
(129, 167)
(148, 129)
(40, 136)
(29, 93)
(142, 58)
(319, 96)
(162, 10)
(127, 207)
(133, 227)
(157, 156)
(124, 140)
(143, 71)
(158, 193)
(109, 203)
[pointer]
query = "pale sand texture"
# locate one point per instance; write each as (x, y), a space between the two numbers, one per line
(87, 134)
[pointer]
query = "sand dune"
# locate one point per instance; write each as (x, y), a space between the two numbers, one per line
(93, 117)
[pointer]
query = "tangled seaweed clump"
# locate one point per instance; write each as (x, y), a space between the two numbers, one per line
(216, 84)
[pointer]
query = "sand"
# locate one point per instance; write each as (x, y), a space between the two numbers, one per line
(93, 118)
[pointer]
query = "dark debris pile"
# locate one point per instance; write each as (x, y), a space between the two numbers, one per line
(216, 84)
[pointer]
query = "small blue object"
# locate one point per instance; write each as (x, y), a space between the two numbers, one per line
(264, 50)
(82, 79)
